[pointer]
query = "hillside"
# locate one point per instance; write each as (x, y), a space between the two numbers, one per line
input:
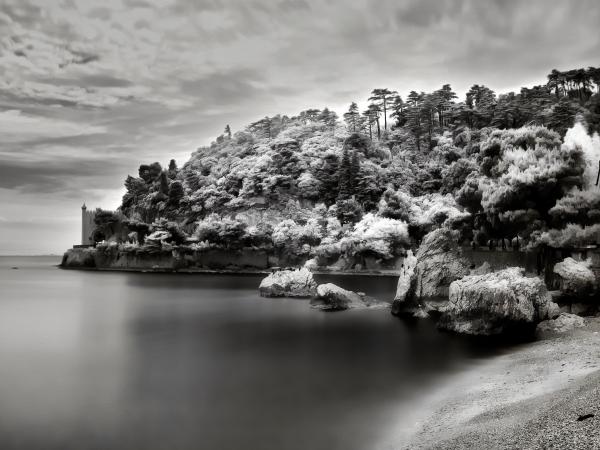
(510, 170)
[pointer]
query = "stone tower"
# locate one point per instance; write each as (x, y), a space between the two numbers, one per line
(87, 226)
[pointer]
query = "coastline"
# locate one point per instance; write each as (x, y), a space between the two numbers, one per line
(530, 397)
(390, 273)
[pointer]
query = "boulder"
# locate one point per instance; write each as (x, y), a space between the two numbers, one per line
(288, 283)
(574, 278)
(563, 323)
(406, 278)
(496, 302)
(424, 283)
(331, 297)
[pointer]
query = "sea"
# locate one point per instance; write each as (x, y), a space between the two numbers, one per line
(122, 360)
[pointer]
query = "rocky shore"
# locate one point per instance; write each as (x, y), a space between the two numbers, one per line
(544, 394)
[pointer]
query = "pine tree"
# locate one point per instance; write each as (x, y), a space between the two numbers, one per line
(354, 171)
(352, 116)
(345, 177)
(382, 97)
(228, 131)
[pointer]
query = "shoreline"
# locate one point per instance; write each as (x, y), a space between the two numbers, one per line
(391, 273)
(530, 397)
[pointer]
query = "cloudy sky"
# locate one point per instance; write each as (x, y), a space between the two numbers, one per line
(91, 89)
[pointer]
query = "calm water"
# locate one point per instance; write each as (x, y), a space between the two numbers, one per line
(158, 361)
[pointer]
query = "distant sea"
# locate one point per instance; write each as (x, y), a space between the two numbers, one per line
(114, 360)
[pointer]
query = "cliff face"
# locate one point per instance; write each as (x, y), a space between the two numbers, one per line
(213, 259)
(250, 259)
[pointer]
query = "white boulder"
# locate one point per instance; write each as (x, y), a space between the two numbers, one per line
(575, 278)
(288, 283)
(495, 302)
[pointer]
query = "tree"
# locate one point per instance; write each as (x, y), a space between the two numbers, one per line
(398, 108)
(150, 173)
(345, 190)
(354, 170)
(375, 113)
(261, 127)
(351, 117)
(348, 211)
(382, 97)
(175, 193)
(328, 117)
(172, 171)
(228, 131)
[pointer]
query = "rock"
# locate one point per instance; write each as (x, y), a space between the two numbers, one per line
(407, 276)
(494, 303)
(420, 313)
(424, 282)
(288, 283)
(563, 323)
(553, 310)
(482, 269)
(574, 278)
(583, 309)
(79, 258)
(331, 297)
(371, 302)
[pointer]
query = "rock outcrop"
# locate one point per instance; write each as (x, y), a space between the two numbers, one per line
(331, 297)
(79, 258)
(575, 278)
(496, 302)
(562, 324)
(288, 283)
(423, 285)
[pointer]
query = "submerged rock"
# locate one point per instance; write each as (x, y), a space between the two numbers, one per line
(563, 323)
(288, 283)
(575, 278)
(424, 282)
(331, 297)
(496, 302)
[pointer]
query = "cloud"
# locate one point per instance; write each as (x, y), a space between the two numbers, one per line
(88, 91)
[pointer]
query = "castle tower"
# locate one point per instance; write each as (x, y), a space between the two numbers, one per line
(87, 226)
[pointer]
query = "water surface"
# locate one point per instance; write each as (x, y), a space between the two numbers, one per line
(109, 360)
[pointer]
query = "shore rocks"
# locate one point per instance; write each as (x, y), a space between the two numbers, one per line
(78, 258)
(288, 283)
(496, 302)
(424, 283)
(575, 278)
(563, 323)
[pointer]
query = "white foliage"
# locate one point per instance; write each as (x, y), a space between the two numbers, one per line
(577, 136)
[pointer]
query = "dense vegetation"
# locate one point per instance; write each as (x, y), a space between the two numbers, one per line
(514, 169)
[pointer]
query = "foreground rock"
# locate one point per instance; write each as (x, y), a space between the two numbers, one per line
(562, 324)
(288, 283)
(424, 283)
(574, 278)
(331, 297)
(495, 303)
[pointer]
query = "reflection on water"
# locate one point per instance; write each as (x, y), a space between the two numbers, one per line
(162, 361)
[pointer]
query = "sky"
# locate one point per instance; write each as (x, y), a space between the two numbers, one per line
(90, 90)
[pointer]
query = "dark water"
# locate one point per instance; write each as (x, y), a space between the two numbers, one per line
(161, 361)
